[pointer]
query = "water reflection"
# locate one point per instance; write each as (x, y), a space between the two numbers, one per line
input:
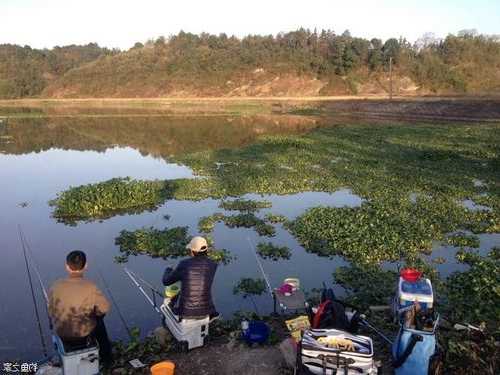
(161, 136)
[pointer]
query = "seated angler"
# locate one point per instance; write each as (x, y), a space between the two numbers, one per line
(196, 275)
(77, 308)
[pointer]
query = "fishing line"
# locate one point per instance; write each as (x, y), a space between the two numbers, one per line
(42, 339)
(108, 290)
(252, 248)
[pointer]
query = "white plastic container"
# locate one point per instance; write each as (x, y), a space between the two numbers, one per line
(191, 331)
(410, 292)
(78, 362)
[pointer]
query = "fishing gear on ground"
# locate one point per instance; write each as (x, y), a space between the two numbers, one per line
(415, 350)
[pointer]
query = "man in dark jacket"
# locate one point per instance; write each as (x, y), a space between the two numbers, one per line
(196, 275)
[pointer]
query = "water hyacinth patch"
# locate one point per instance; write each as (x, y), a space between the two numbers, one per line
(474, 295)
(249, 286)
(207, 224)
(105, 199)
(245, 205)
(222, 256)
(250, 221)
(461, 239)
(270, 251)
(366, 285)
(165, 243)
(376, 231)
(276, 219)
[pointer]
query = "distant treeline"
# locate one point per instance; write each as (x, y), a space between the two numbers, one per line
(205, 64)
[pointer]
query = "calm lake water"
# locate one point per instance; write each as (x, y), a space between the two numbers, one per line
(40, 157)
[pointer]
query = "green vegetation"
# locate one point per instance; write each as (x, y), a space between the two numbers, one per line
(366, 285)
(376, 231)
(105, 199)
(250, 221)
(462, 239)
(383, 164)
(205, 65)
(165, 243)
(244, 205)
(276, 219)
(270, 251)
(206, 224)
(169, 242)
(474, 295)
(249, 287)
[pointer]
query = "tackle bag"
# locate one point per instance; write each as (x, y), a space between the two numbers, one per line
(331, 313)
(317, 355)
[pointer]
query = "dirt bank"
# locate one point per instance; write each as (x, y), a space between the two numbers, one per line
(361, 107)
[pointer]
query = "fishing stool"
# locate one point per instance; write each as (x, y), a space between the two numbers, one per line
(191, 331)
(81, 359)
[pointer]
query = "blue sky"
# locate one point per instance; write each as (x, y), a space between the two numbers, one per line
(120, 24)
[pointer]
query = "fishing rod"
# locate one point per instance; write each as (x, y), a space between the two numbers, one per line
(42, 339)
(266, 279)
(35, 265)
(134, 280)
(108, 289)
(153, 288)
(377, 331)
(154, 291)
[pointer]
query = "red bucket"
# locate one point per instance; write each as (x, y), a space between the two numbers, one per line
(410, 274)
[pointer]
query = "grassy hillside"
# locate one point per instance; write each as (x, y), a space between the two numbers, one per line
(299, 63)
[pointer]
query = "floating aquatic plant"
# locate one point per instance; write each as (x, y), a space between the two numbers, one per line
(474, 295)
(366, 285)
(276, 219)
(249, 220)
(377, 230)
(165, 243)
(244, 205)
(207, 224)
(461, 239)
(105, 199)
(270, 251)
(249, 286)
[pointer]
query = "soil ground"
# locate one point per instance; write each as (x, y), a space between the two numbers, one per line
(484, 109)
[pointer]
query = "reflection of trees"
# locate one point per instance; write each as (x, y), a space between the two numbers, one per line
(157, 136)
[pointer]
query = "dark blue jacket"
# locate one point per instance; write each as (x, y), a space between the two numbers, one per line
(196, 275)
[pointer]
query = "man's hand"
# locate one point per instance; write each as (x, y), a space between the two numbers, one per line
(167, 272)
